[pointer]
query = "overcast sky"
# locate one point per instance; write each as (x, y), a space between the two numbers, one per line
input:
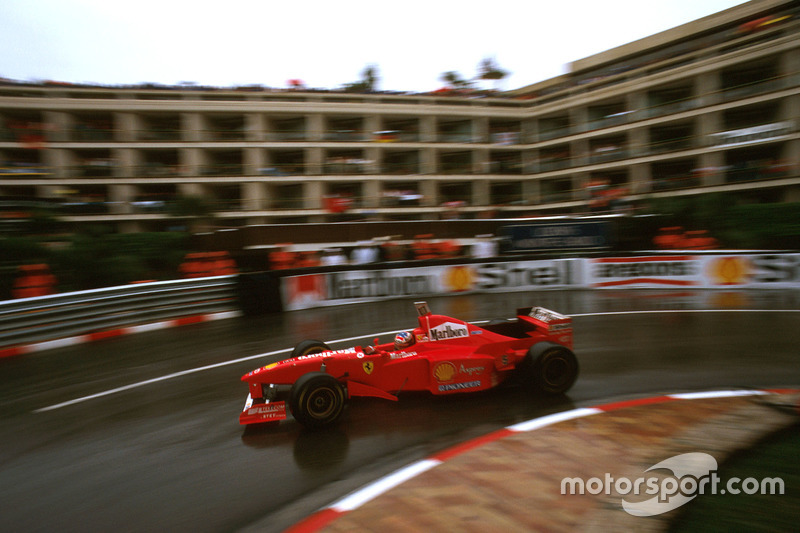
(325, 43)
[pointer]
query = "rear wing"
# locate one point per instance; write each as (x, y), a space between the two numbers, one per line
(546, 319)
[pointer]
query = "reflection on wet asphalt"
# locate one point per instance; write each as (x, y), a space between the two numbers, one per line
(170, 455)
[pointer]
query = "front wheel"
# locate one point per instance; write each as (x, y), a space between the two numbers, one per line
(317, 400)
(550, 368)
(308, 347)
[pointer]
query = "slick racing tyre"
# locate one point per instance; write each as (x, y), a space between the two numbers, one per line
(549, 368)
(317, 400)
(308, 347)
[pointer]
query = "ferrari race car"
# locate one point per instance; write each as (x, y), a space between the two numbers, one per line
(442, 355)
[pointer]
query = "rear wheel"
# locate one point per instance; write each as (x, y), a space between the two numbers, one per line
(549, 368)
(317, 400)
(308, 347)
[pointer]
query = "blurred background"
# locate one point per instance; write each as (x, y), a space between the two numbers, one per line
(687, 139)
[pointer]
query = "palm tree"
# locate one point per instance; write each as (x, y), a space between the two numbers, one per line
(454, 80)
(488, 69)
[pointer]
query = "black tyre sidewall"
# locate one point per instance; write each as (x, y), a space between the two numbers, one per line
(321, 387)
(309, 346)
(550, 368)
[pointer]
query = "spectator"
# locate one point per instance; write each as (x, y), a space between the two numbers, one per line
(484, 246)
(282, 257)
(332, 257)
(364, 253)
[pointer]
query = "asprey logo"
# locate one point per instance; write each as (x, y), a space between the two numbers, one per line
(449, 330)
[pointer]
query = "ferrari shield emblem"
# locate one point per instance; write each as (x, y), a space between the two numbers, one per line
(368, 366)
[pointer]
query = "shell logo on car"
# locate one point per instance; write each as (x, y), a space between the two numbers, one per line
(444, 372)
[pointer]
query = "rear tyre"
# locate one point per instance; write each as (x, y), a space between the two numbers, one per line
(549, 368)
(317, 400)
(308, 347)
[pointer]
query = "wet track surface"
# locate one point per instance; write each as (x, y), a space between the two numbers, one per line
(166, 452)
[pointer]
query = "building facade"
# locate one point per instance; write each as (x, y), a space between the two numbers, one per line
(711, 106)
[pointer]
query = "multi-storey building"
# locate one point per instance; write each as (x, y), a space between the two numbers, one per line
(710, 106)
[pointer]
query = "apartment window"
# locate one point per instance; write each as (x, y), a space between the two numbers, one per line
(671, 137)
(284, 163)
(158, 163)
(159, 127)
(506, 193)
(552, 127)
(401, 162)
(666, 100)
(288, 129)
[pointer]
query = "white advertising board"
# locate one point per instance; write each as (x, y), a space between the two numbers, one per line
(351, 286)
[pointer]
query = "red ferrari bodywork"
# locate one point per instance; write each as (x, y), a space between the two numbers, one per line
(448, 356)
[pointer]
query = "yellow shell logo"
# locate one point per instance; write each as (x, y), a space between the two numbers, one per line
(729, 270)
(459, 278)
(444, 372)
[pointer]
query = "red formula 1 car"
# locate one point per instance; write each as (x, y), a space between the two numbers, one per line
(442, 355)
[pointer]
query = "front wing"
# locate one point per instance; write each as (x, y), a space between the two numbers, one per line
(262, 412)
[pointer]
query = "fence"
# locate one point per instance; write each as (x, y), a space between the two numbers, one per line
(32, 320)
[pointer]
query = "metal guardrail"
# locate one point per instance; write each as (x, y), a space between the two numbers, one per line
(57, 316)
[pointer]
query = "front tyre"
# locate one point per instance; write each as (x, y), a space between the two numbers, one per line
(317, 400)
(308, 347)
(550, 368)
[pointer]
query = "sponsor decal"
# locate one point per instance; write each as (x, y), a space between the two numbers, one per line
(783, 268)
(729, 270)
(263, 369)
(559, 236)
(306, 289)
(459, 278)
(444, 372)
(662, 270)
(421, 337)
(329, 353)
(459, 386)
(376, 284)
(267, 411)
(402, 355)
(471, 371)
(368, 367)
(545, 315)
(448, 330)
(524, 274)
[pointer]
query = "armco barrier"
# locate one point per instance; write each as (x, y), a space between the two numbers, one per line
(45, 318)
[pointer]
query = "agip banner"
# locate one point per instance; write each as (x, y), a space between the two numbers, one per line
(667, 271)
(694, 271)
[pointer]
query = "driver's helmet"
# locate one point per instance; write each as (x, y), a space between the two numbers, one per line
(404, 339)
